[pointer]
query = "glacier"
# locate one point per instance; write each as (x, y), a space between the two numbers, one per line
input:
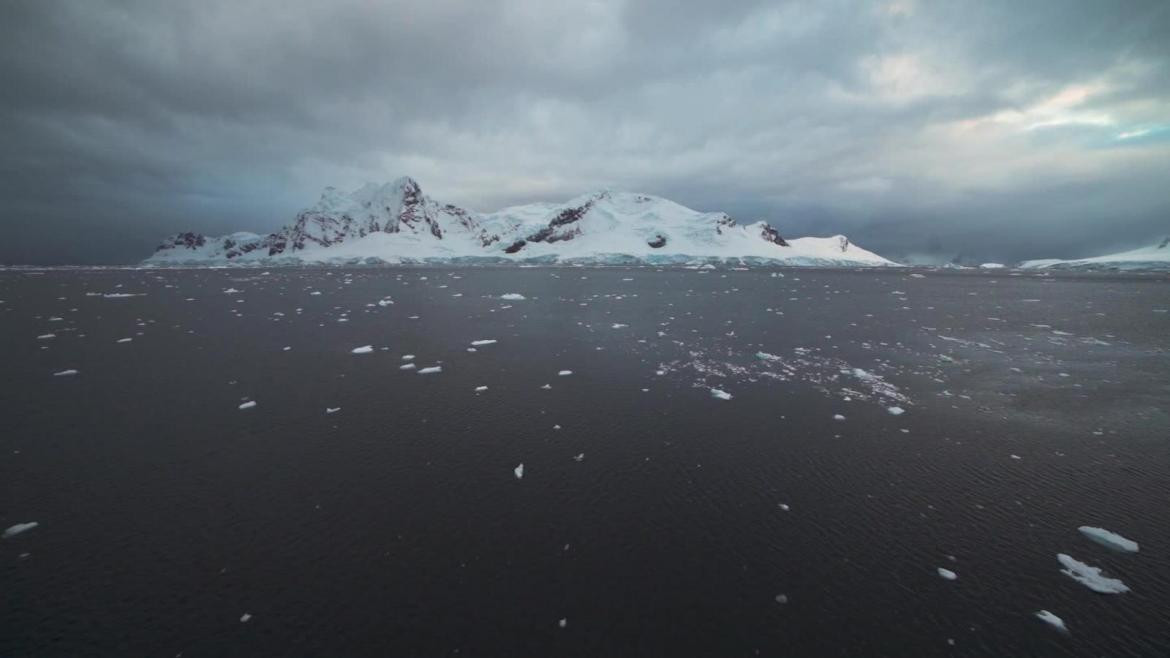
(396, 223)
(1151, 257)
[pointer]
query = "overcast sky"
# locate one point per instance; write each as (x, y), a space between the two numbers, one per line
(997, 129)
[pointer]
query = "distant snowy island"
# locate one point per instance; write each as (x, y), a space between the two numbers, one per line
(1153, 257)
(396, 223)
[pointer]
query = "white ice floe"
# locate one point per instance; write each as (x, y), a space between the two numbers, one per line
(248, 405)
(513, 297)
(895, 411)
(618, 325)
(406, 366)
(579, 457)
(564, 373)
(244, 618)
(563, 623)
(838, 417)
(228, 291)
(480, 389)
(364, 349)
(486, 341)
(1109, 539)
(784, 507)
(1090, 576)
(782, 599)
(1052, 620)
(46, 336)
(430, 370)
(408, 357)
(721, 394)
(519, 471)
(947, 574)
(123, 340)
(332, 410)
(65, 373)
(15, 530)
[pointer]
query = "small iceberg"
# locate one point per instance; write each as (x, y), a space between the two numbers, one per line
(519, 471)
(720, 393)
(431, 370)
(1109, 539)
(364, 349)
(947, 574)
(15, 530)
(1090, 576)
(479, 343)
(513, 297)
(1052, 620)
(248, 405)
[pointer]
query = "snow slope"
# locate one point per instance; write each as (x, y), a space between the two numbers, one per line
(1154, 257)
(397, 223)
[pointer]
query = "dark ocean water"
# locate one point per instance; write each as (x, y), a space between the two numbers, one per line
(396, 526)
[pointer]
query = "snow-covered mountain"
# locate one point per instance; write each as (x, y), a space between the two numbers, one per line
(397, 223)
(1153, 257)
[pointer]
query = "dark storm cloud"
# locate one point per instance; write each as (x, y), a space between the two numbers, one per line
(1000, 130)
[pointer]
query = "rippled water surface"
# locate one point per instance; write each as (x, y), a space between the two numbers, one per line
(792, 511)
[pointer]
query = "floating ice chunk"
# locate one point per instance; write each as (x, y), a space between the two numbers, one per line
(65, 373)
(1052, 620)
(123, 340)
(406, 366)
(1109, 539)
(563, 373)
(563, 622)
(838, 417)
(784, 507)
(782, 599)
(519, 471)
(488, 341)
(248, 405)
(229, 291)
(947, 574)
(408, 357)
(618, 325)
(430, 370)
(15, 530)
(480, 389)
(721, 394)
(896, 411)
(579, 457)
(1090, 576)
(513, 297)
(545, 387)
(46, 336)
(364, 349)
(332, 410)
(244, 618)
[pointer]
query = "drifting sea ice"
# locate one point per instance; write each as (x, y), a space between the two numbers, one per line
(519, 471)
(479, 343)
(332, 410)
(15, 530)
(896, 411)
(406, 366)
(1109, 539)
(430, 370)
(480, 389)
(1090, 576)
(513, 296)
(248, 405)
(1052, 620)
(721, 394)
(947, 574)
(564, 373)
(65, 373)
(364, 349)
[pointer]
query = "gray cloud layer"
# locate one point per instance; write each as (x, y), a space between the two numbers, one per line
(998, 129)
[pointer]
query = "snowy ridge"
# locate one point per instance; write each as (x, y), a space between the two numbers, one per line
(1153, 257)
(397, 223)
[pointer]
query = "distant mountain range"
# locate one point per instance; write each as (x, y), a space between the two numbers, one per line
(397, 223)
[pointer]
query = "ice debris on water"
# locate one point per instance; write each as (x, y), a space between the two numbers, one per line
(579, 457)
(480, 389)
(248, 405)
(65, 373)
(245, 617)
(895, 411)
(513, 296)
(332, 410)
(479, 343)
(1090, 576)
(564, 373)
(364, 349)
(838, 417)
(15, 530)
(947, 574)
(430, 370)
(519, 471)
(406, 366)
(1109, 539)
